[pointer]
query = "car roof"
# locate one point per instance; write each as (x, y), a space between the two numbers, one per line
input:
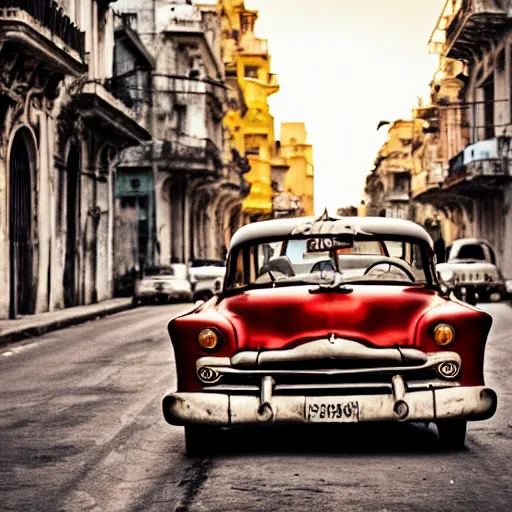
(463, 241)
(370, 225)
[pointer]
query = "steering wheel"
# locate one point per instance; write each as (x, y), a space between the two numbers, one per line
(391, 263)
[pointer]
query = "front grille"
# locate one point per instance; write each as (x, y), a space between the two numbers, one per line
(322, 365)
(378, 377)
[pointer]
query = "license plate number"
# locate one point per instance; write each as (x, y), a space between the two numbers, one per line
(324, 410)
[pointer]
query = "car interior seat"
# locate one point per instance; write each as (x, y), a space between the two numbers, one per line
(280, 264)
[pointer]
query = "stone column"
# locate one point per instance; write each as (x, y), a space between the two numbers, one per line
(163, 219)
(43, 216)
(506, 264)
(103, 238)
(186, 222)
(4, 229)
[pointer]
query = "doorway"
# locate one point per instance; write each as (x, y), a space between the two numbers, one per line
(21, 289)
(72, 238)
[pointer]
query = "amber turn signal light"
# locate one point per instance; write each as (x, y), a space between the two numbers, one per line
(444, 334)
(208, 339)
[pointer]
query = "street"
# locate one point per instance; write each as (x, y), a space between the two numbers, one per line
(82, 430)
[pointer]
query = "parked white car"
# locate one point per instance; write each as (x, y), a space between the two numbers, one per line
(206, 278)
(163, 284)
(471, 271)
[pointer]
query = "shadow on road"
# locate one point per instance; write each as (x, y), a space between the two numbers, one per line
(359, 439)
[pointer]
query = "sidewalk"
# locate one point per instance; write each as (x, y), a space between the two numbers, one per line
(36, 325)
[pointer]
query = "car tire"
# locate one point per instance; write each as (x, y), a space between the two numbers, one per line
(200, 441)
(452, 434)
(135, 301)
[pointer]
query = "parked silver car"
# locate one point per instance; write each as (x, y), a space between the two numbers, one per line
(471, 271)
(206, 277)
(163, 284)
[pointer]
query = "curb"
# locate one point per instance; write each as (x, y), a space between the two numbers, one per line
(30, 332)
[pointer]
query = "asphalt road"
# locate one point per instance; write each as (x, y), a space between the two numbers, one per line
(81, 429)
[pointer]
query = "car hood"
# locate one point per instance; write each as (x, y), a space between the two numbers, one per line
(377, 315)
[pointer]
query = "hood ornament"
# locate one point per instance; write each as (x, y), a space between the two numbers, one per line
(332, 338)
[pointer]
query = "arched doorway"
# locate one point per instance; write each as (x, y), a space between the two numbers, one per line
(21, 289)
(72, 237)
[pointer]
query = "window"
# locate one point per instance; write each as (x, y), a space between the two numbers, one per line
(289, 262)
(488, 90)
(181, 118)
(130, 19)
(471, 252)
(251, 71)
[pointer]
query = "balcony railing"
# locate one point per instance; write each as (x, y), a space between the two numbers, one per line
(491, 158)
(183, 25)
(51, 16)
(179, 87)
(135, 98)
(465, 24)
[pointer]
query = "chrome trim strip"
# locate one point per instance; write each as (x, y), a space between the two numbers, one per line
(433, 359)
(411, 385)
(332, 348)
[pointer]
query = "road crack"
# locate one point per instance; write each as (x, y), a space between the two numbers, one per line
(192, 483)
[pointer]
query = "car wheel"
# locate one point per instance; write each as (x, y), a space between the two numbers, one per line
(135, 301)
(495, 296)
(452, 433)
(200, 441)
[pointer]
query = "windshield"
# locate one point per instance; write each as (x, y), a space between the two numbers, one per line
(207, 263)
(159, 271)
(325, 260)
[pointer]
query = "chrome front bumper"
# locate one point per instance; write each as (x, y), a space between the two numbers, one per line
(471, 403)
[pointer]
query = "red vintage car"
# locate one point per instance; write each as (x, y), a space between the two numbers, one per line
(329, 320)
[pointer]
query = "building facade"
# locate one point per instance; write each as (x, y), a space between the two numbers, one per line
(474, 40)
(299, 180)
(460, 158)
(388, 186)
(61, 131)
(190, 182)
(246, 60)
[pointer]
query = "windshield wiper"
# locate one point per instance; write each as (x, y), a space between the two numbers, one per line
(337, 285)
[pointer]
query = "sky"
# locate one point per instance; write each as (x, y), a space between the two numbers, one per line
(343, 66)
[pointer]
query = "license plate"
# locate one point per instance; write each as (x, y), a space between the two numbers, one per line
(325, 410)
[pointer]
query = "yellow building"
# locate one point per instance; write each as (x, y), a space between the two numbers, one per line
(247, 60)
(299, 180)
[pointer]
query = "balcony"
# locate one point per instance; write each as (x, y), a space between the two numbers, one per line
(138, 100)
(253, 45)
(273, 79)
(397, 196)
(428, 181)
(466, 26)
(42, 30)
(182, 153)
(105, 113)
(484, 164)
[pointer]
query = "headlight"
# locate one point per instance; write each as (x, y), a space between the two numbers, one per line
(208, 339)
(444, 334)
(446, 275)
